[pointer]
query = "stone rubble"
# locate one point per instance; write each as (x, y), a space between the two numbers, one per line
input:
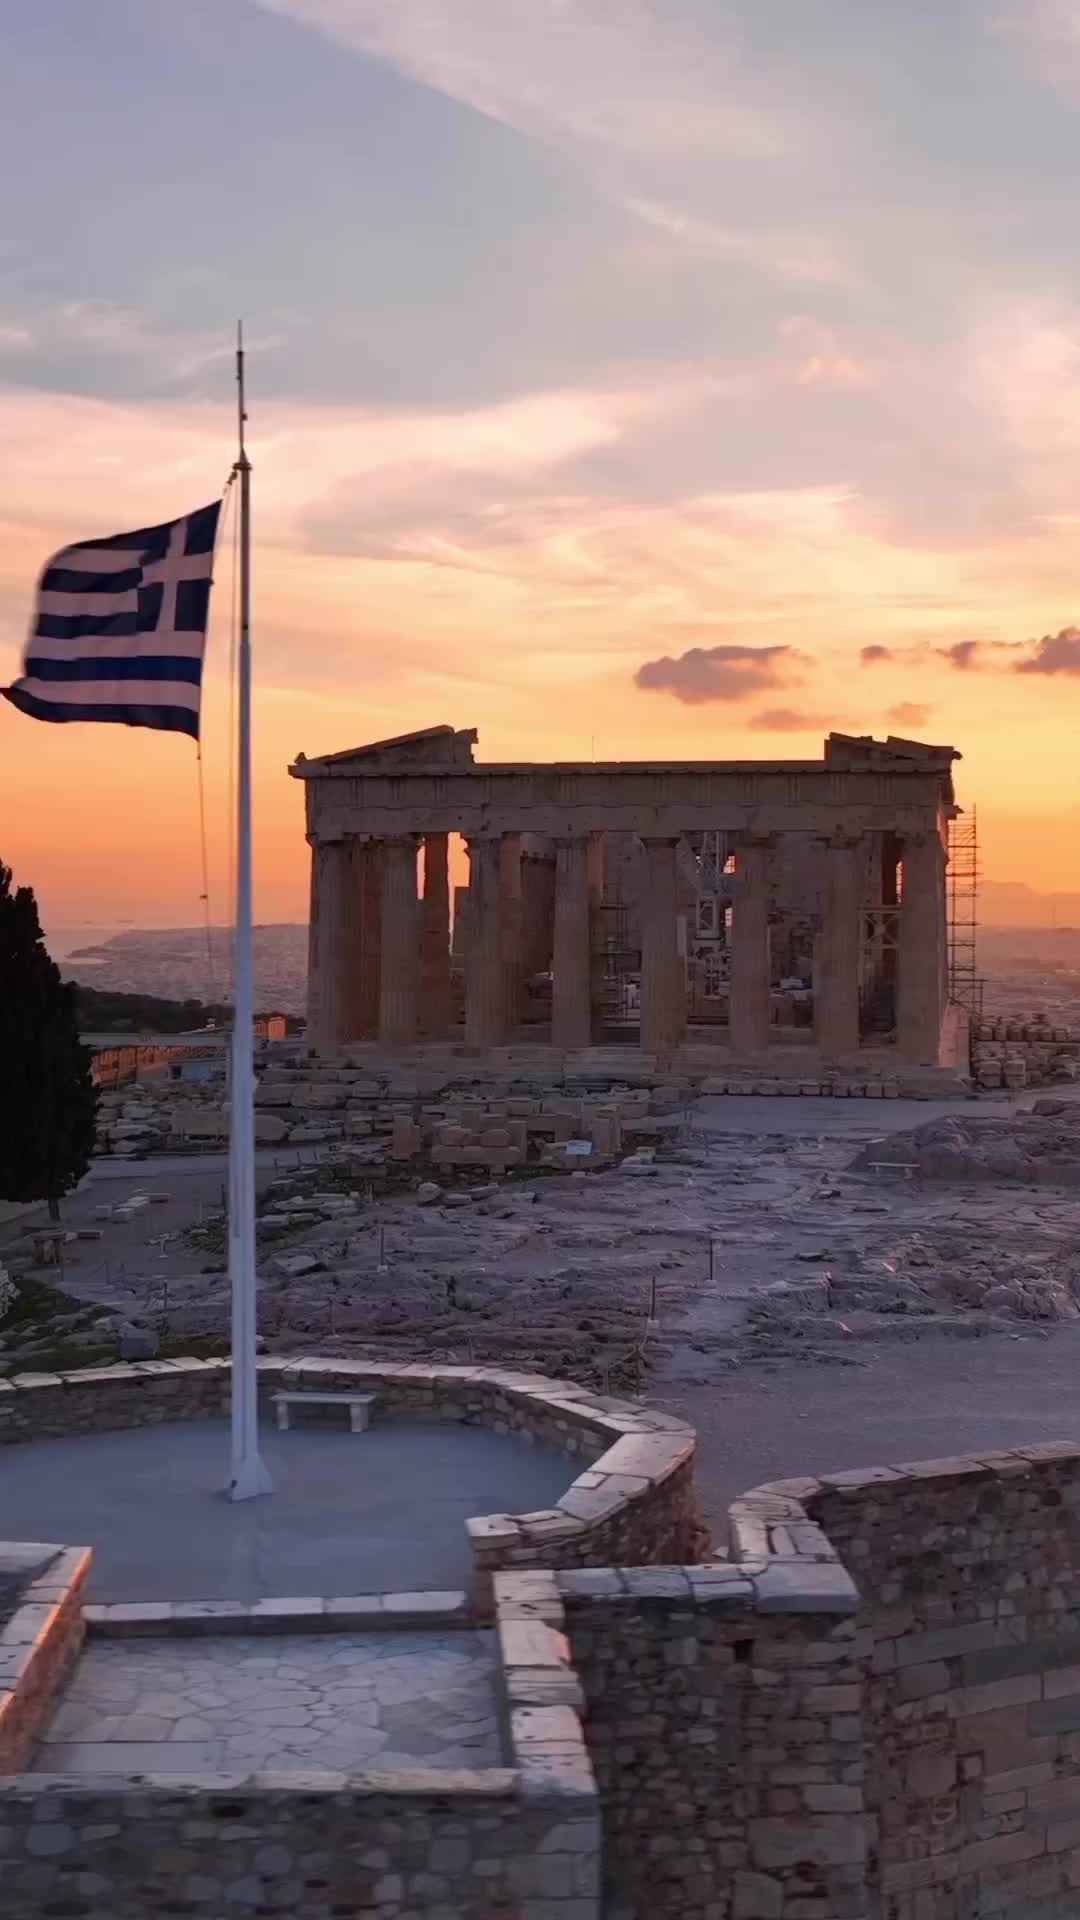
(1014, 1054)
(303, 1102)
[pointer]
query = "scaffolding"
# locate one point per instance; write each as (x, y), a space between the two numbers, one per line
(965, 984)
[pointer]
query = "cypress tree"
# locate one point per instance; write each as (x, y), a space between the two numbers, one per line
(47, 1098)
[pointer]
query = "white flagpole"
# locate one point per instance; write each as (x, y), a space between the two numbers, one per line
(248, 1475)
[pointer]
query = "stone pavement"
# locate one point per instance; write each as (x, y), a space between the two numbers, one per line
(340, 1701)
(351, 1513)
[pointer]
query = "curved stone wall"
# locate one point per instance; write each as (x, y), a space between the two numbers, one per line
(632, 1503)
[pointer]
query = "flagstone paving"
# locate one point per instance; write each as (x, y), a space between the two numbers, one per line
(340, 1701)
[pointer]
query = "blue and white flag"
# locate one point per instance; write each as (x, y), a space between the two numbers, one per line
(120, 628)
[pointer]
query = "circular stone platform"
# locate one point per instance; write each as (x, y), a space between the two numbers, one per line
(350, 1514)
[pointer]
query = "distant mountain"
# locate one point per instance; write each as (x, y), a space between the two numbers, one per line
(1011, 903)
(178, 963)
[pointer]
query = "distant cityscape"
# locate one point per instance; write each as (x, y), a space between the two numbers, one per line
(1029, 952)
(181, 963)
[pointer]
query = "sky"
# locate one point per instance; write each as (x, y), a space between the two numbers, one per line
(628, 379)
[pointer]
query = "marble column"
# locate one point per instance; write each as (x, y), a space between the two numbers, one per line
(314, 976)
(537, 904)
(663, 979)
(510, 927)
(368, 983)
(330, 933)
(571, 1014)
(748, 1005)
(890, 922)
(400, 947)
(594, 860)
(921, 984)
(837, 953)
(435, 936)
(484, 998)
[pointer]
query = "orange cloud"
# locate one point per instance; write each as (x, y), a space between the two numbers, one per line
(720, 673)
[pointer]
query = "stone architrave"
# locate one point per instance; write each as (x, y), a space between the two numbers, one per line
(663, 979)
(484, 996)
(435, 936)
(837, 953)
(400, 957)
(921, 982)
(571, 1012)
(749, 1002)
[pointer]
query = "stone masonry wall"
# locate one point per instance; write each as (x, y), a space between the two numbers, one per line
(519, 1842)
(309, 1848)
(722, 1717)
(969, 1580)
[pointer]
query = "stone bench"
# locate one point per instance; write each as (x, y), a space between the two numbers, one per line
(359, 1405)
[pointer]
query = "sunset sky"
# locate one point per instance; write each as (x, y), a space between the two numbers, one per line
(629, 379)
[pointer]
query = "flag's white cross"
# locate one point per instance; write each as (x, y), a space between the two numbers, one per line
(175, 566)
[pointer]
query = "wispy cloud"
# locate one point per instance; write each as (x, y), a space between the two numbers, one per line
(780, 253)
(1048, 32)
(620, 75)
(88, 332)
(874, 654)
(963, 655)
(648, 99)
(909, 714)
(792, 720)
(313, 459)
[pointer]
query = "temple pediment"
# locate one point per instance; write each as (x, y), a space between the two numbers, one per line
(430, 747)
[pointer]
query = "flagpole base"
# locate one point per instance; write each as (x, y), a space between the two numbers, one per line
(249, 1478)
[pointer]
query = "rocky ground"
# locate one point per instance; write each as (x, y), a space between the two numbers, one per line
(726, 1272)
(699, 1250)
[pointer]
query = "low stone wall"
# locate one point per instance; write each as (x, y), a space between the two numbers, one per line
(311, 1848)
(520, 1842)
(38, 1648)
(633, 1503)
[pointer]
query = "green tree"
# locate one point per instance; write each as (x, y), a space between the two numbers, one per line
(47, 1098)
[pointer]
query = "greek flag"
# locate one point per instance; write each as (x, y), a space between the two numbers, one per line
(120, 627)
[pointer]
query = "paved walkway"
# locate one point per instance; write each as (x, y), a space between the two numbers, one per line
(811, 1114)
(351, 1513)
(342, 1701)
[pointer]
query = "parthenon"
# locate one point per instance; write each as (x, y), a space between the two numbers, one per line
(636, 900)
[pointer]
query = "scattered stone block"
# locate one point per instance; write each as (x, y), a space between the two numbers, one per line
(292, 1265)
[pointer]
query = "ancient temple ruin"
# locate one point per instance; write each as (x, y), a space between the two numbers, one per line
(754, 903)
